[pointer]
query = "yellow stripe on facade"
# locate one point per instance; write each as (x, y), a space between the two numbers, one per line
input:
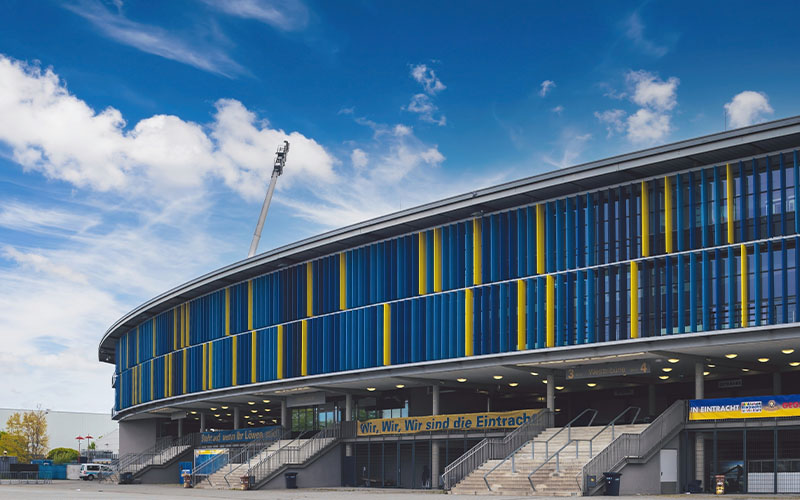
(253, 351)
(540, 262)
(423, 268)
(309, 289)
(304, 348)
(249, 304)
(521, 323)
(210, 365)
(729, 183)
(184, 372)
(342, 282)
(745, 304)
(387, 334)
(667, 215)
(468, 325)
(205, 364)
(477, 278)
(437, 259)
(280, 352)
(645, 221)
(551, 312)
(233, 360)
(634, 300)
(227, 311)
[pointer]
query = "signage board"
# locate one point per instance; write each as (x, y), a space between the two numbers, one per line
(620, 369)
(749, 407)
(237, 435)
(454, 422)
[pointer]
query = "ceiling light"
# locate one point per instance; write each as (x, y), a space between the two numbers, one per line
(513, 384)
(193, 412)
(666, 370)
(461, 379)
(227, 414)
(663, 377)
(497, 377)
(794, 363)
(534, 373)
(262, 421)
(400, 386)
(763, 360)
(260, 416)
(370, 389)
(197, 418)
(787, 351)
(591, 384)
(251, 423)
(731, 355)
(673, 360)
(224, 407)
(267, 409)
(711, 365)
(559, 387)
(706, 374)
(558, 409)
(251, 402)
(544, 381)
(213, 409)
(265, 400)
(745, 369)
(216, 415)
(253, 411)
(247, 416)
(274, 421)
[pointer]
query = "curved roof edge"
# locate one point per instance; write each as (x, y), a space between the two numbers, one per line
(706, 150)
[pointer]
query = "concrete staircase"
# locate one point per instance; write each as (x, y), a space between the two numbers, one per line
(566, 481)
(228, 476)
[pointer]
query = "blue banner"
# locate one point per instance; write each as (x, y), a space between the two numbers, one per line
(239, 435)
(749, 407)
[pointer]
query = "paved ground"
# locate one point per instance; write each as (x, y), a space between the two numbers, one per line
(74, 490)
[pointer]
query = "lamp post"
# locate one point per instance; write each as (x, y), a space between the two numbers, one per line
(89, 437)
(79, 438)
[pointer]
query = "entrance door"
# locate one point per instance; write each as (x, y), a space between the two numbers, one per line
(669, 471)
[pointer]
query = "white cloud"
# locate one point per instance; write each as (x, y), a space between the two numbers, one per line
(573, 144)
(359, 158)
(286, 15)
(634, 30)
(424, 106)
(426, 77)
(157, 41)
(747, 108)
(558, 109)
(651, 91)
(42, 264)
(647, 126)
(545, 87)
(613, 119)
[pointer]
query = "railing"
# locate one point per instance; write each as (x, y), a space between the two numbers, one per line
(568, 428)
(611, 425)
(241, 456)
(556, 456)
(636, 445)
(24, 477)
(163, 451)
(266, 456)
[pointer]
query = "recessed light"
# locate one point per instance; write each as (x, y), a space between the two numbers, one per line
(260, 416)
(251, 423)
(787, 351)
(227, 414)
(534, 373)
(731, 355)
(794, 363)
(262, 421)
(558, 410)
(461, 379)
(216, 415)
(267, 409)
(673, 360)
(544, 381)
(247, 416)
(712, 365)
(251, 402)
(559, 387)
(253, 411)
(193, 412)
(400, 386)
(197, 418)
(370, 389)
(497, 377)
(663, 377)
(274, 421)
(513, 384)
(745, 369)
(224, 407)
(591, 384)
(213, 409)
(706, 374)
(763, 360)
(666, 370)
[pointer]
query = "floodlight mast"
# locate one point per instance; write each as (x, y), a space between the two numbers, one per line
(280, 162)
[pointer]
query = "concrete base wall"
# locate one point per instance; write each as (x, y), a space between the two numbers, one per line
(165, 475)
(137, 435)
(645, 479)
(324, 471)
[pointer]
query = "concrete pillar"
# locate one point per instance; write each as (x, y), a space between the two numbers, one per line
(202, 421)
(236, 417)
(180, 427)
(699, 444)
(348, 416)
(651, 400)
(435, 444)
(285, 420)
(776, 383)
(551, 393)
(488, 404)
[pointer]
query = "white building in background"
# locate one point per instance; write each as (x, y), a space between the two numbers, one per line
(64, 426)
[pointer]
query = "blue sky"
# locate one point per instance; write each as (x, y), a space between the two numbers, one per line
(136, 138)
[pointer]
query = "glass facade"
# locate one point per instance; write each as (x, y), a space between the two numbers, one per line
(700, 250)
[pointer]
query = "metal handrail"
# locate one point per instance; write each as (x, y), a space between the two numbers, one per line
(493, 448)
(611, 424)
(162, 452)
(250, 467)
(636, 445)
(568, 427)
(247, 452)
(557, 456)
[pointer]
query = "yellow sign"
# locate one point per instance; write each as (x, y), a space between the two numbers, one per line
(456, 422)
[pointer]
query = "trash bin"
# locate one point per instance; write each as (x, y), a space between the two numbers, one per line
(612, 483)
(126, 478)
(187, 479)
(245, 480)
(291, 480)
(719, 480)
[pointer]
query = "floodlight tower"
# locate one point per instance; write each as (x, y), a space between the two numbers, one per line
(280, 162)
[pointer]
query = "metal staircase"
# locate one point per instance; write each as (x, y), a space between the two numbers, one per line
(165, 451)
(214, 473)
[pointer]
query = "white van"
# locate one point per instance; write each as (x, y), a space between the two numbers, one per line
(91, 471)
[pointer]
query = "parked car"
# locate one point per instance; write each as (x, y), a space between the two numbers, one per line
(90, 472)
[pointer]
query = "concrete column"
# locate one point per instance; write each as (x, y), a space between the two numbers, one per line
(180, 427)
(348, 416)
(202, 421)
(435, 444)
(651, 400)
(488, 404)
(776, 383)
(236, 417)
(699, 444)
(551, 393)
(285, 420)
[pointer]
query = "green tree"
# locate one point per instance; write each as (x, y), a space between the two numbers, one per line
(31, 427)
(14, 446)
(63, 455)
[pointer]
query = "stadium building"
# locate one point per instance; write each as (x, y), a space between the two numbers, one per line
(637, 314)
